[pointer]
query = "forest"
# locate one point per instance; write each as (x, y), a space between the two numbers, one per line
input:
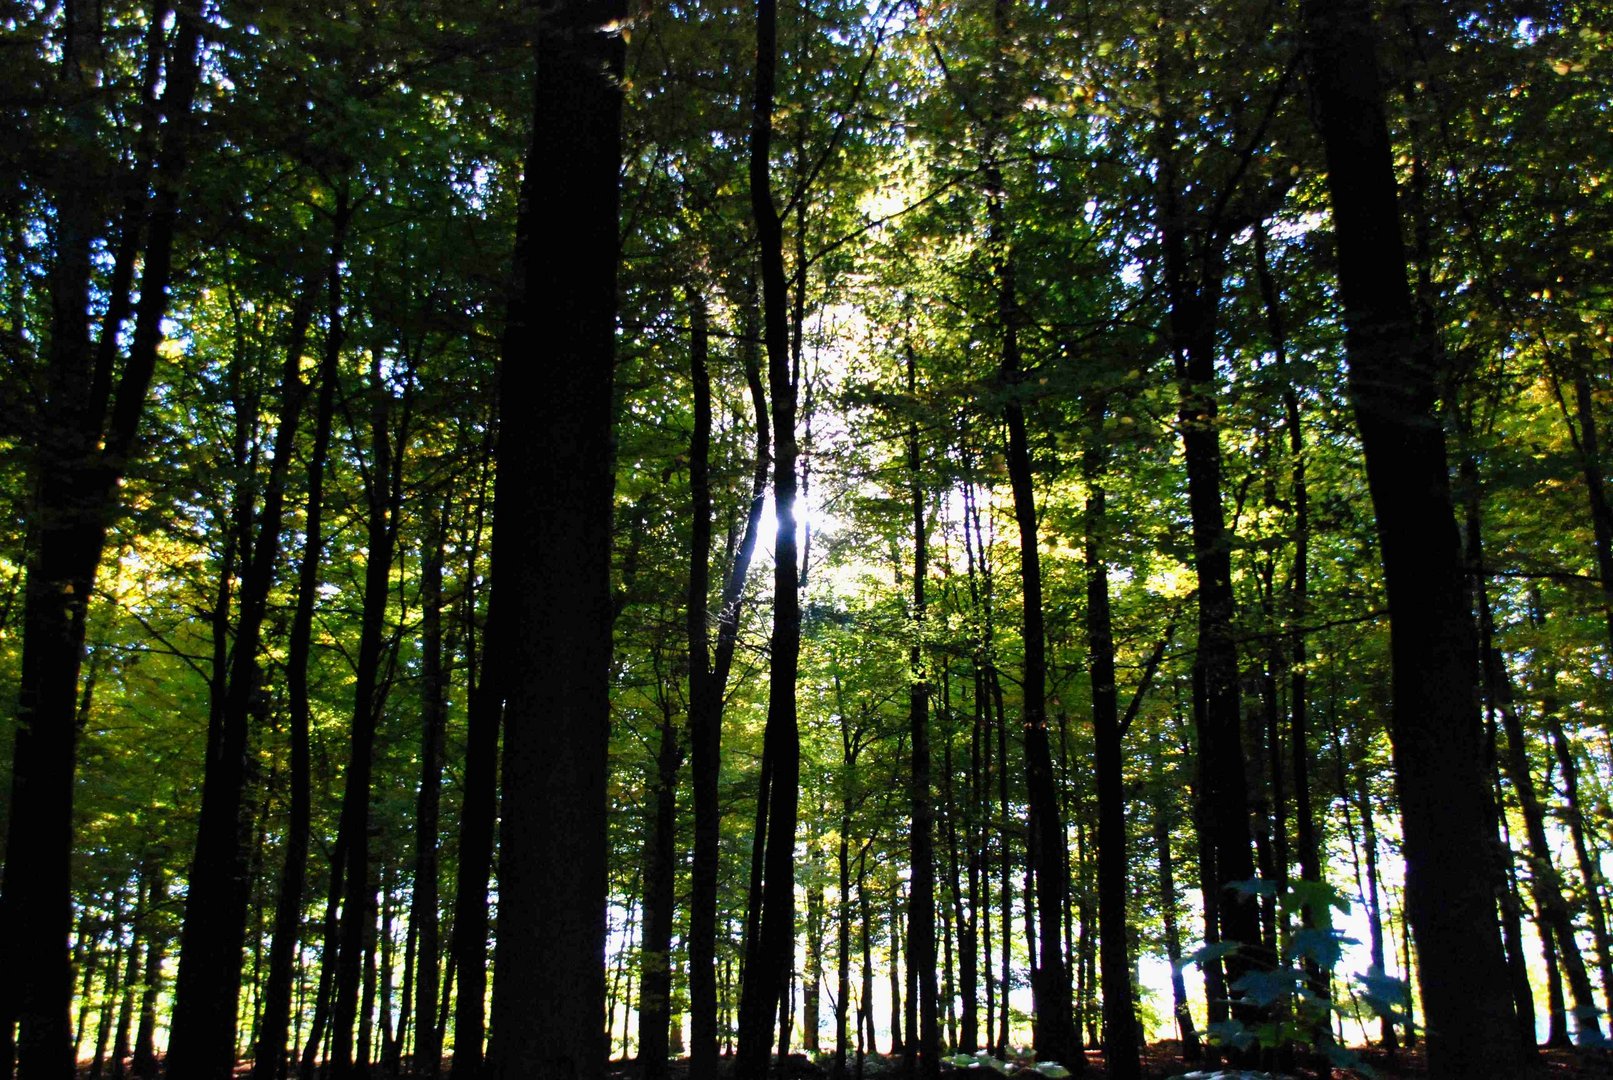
(834, 537)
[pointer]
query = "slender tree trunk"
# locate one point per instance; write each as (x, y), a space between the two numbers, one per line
(89, 958)
(812, 977)
(144, 1063)
(1369, 837)
(364, 1043)
(1307, 850)
(556, 482)
(1589, 867)
(270, 1055)
(220, 876)
(898, 1044)
(1393, 384)
(1194, 298)
(131, 976)
(1173, 946)
(113, 985)
(924, 1048)
(1556, 1008)
(708, 678)
(660, 884)
(352, 880)
(966, 1036)
(468, 944)
(423, 904)
(768, 966)
(865, 1005)
(842, 1003)
(1119, 1019)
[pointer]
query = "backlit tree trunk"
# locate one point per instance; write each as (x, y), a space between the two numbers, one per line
(1393, 385)
(555, 457)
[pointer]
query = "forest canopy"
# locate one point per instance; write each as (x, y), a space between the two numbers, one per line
(545, 539)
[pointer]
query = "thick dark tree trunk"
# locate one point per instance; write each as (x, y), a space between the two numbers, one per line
(1393, 384)
(555, 458)
(85, 436)
(768, 966)
(270, 1055)
(1119, 1018)
(924, 1046)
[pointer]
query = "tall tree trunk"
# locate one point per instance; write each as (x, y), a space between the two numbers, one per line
(898, 1044)
(842, 1002)
(467, 956)
(1119, 1018)
(1393, 384)
(924, 1046)
(270, 1055)
(1167, 903)
(767, 968)
(812, 976)
(434, 711)
(114, 983)
(139, 928)
(560, 470)
(1055, 1037)
(966, 1037)
(352, 875)
(865, 1003)
(1193, 283)
(1589, 867)
(1374, 912)
(86, 435)
(660, 885)
(708, 674)
(1307, 849)
(144, 1063)
(204, 1034)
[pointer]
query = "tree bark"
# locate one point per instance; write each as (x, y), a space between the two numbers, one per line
(767, 968)
(352, 875)
(1119, 1017)
(270, 1055)
(1393, 385)
(86, 434)
(924, 1046)
(434, 713)
(555, 486)
(708, 673)
(660, 885)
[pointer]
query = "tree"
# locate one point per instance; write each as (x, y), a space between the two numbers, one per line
(1393, 385)
(554, 509)
(86, 435)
